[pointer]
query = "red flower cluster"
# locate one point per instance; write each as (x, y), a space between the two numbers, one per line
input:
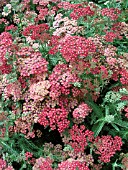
(72, 165)
(72, 47)
(5, 47)
(124, 77)
(81, 12)
(107, 146)
(54, 42)
(54, 118)
(60, 80)
(81, 111)
(117, 26)
(112, 13)
(37, 32)
(110, 36)
(10, 27)
(80, 137)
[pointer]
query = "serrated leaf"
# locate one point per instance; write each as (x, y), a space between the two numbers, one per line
(115, 127)
(121, 123)
(97, 128)
(96, 109)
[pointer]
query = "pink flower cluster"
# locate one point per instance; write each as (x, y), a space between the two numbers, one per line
(5, 47)
(61, 80)
(25, 52)
(80, 137)
(3, 20)
(72, 165)
(23, 125)
(42, 13)
(65, 5)
(112, 13)
(34, 64)
(3, 165)
(120, 28)
(54, 117)
(28, 155)
(125, 161)
(13, 90)
(68, 103)
(106, 146)
(44, 2)
(110, 51)
(126, 114)
(68, 27)
(42, 164)
(81, 111)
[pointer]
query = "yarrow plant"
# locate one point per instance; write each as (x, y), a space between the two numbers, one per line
(63, 85)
